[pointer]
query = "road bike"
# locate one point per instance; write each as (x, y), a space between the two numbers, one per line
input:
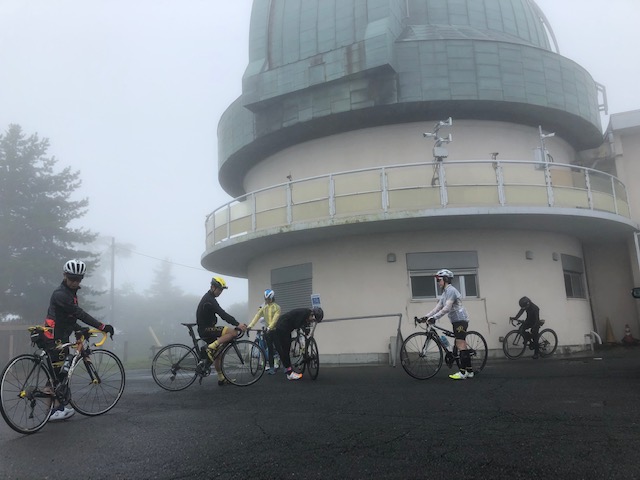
(30, 390)
(261, 341)
(304, 352)
(514, 344)
(423, 353)
(177, 366)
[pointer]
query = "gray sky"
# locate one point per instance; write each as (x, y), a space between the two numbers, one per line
(130, 93)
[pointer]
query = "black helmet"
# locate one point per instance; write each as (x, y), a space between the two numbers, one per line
(524, 302)
(318, 313)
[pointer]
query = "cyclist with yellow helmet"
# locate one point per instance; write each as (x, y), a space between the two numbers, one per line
(207, 315)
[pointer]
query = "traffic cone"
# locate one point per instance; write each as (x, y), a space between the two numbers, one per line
(611, 339)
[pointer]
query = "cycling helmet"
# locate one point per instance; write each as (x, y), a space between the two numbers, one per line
(444, 273)
(269, 294)
(318, 313)
(219, 282)
(75, 267)
(524, 302)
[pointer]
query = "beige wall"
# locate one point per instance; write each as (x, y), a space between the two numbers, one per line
(399, 144)
(354, 279)
(626, 148)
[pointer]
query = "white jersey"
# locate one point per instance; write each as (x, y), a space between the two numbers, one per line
(450, 302)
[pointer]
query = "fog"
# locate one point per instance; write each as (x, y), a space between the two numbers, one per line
(130, 93)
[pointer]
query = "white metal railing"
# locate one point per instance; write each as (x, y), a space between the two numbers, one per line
(417, 187)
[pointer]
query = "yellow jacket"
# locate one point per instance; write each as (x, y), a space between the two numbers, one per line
(271, 314)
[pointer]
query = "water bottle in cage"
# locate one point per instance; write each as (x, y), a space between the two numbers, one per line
(67, 363)
(445, 341)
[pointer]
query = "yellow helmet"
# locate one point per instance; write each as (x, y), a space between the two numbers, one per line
(219, 282)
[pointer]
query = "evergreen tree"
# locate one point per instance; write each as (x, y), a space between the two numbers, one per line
(36, 238)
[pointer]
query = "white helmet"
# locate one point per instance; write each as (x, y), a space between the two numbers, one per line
(75, 267)
(445, 273)
(269, 294)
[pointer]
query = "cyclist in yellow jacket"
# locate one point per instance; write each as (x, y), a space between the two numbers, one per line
(270, 310)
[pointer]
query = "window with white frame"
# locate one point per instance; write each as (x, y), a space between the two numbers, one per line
(573, 271)
(423, 266)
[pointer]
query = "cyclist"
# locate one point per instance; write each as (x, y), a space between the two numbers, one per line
(290, 321)
(270, 311)
(450, 303)
(207, 317)
(532, 322)
(62, 317)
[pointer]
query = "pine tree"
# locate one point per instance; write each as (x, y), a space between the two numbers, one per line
(36, 238)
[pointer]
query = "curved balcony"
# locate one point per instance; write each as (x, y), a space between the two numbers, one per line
(582, 202)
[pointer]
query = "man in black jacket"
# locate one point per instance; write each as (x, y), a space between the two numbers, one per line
(207, 317)
(531, 322)
(62, 317)
(288, 322)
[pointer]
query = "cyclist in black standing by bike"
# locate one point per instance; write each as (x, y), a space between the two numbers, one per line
(62, 315)
(532, 322)
(290, 321)
(207, 316)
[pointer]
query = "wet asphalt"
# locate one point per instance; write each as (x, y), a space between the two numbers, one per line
(573, 417)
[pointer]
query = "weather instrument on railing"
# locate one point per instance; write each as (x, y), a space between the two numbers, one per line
(439, 152)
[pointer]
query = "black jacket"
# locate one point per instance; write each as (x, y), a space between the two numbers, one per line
(206, 313)
(533, 315)
(64, 311)
(293, 319)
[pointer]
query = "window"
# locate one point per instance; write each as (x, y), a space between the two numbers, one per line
(423, 266)
(573, 271)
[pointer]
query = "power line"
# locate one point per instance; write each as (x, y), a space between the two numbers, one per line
(160, 259)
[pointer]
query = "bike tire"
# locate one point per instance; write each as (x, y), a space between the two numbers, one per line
(24, 403)
(313, 358)
(235, 363)
(174, 367)
(296, 354)
(421, 356)
(547, 342)
(478, 350)
(257, 355)
(513, 344)
(96, 383)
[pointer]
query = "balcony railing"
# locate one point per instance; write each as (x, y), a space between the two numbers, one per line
(417, 187)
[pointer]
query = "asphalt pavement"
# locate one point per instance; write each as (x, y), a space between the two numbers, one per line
(574, 417)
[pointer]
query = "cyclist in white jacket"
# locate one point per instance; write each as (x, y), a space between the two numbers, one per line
(451, 303)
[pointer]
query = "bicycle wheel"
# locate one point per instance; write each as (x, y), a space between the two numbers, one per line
(96, 383)
(236, 363)
(258, 356)
(513, 344)
(548, 342)
(174, 367)
(477, 350)
(421, 356)
(296, 353)
(313, 358)
(26, 397)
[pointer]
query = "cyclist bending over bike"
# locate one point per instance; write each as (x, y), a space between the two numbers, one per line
(270, 311)
(532, 322)
(290, 321)
(207, 316)
(450, 302)
(62, 317)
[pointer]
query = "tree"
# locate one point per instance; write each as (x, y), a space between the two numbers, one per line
(36, 211)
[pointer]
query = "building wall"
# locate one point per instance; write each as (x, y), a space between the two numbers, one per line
(354, 279)
(398, 144)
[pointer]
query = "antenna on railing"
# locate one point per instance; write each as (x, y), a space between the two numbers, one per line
(544, 153)
(439, 152)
